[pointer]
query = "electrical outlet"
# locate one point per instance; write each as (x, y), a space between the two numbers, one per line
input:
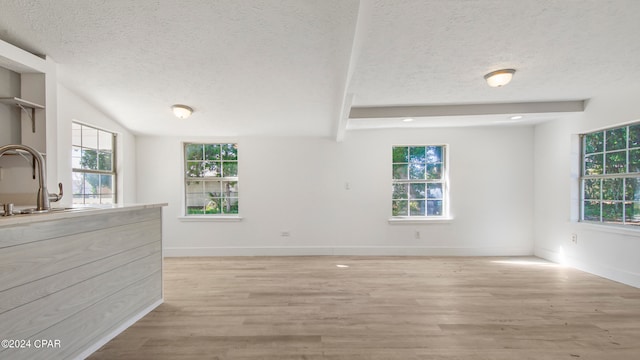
(285, 234)
(417, 234)
(574, 238)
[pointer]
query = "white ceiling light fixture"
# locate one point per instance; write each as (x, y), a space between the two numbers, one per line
(407, 120)
(499, 78)
(516, 117)
(182, 111)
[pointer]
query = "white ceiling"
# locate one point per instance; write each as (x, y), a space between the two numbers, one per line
(292, 67)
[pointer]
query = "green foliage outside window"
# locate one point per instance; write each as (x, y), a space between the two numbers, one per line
(93, 163)
(611, 176)
(211, 179)
(418, 181)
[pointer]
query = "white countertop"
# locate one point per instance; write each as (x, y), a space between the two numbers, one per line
(72, 212)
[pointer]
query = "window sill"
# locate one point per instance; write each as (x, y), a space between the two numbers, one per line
(210, 218)
(420, 220)
(612, 229)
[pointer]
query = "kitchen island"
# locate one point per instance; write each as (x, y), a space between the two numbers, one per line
(70, 280)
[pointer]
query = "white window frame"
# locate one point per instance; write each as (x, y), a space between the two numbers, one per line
(184, 215)
(445, 215)
(604, 176)
(113, 172)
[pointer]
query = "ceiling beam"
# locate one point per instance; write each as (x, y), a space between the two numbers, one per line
(20, 61)
(340, 127)
(375, 112)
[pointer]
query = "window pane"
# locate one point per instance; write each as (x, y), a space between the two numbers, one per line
(400, 154)
(616, 162)
(616, 139)
(416, 171)
(194, 169)
(592, 210)
(76, 134)
(89, 159)
(92, 184)
(632, 212)
(434, 154)
(634, 136)
(229, 152)
(400, 172)
(229, 169)
(212, 206)
(104, 161)
(77, 183)
(434, 207)
(612, 212)
(194, 152)
(434, 191)
(211, 168)
(634, 160)
(106, 185)
(230, 188)
(229, 205)
(593, 164)
(195, 200)
(213, 189)
(212, 151)
(400, 208)
(417, 191)
(632, 191)
(434, 171)
(592, 189)
(89, 137)
(416, 208)
(612, 189)
(400, 191)
(593, 142)
(92, 199)
(76, 157)
(107, 199)
(417, 155)
(106, 140)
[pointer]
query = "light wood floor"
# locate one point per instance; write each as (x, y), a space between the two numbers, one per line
(383, 308)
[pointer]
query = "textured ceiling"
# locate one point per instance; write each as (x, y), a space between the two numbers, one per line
(285, 67)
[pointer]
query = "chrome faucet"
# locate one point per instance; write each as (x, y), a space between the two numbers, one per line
(44, 198)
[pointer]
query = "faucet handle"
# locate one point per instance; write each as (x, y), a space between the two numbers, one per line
(57, 197)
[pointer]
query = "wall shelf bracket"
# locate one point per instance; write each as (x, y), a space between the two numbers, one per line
(27, 106)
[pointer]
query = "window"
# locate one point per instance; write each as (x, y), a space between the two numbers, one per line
(610, 176)
(419, 181)
(93, 165)
(211, 179)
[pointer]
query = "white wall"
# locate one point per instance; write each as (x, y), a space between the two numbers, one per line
(606, 251)
(298, 185)
(9, 115)
(71, 108)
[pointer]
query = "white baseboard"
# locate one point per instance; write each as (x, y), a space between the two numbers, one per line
(97, 345)
(345, 251)
(598, 269)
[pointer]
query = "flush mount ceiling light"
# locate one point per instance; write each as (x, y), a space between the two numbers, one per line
(181, 111)
(516, 117)
(499, 77)
(407, 120)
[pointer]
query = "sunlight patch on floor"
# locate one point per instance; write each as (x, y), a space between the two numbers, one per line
(528, 262)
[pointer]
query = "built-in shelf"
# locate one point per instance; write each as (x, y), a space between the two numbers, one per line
(24, 105)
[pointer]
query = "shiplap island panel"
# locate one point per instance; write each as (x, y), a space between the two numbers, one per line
(71, 280)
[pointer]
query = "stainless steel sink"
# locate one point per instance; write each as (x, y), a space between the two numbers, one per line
(34, 211)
